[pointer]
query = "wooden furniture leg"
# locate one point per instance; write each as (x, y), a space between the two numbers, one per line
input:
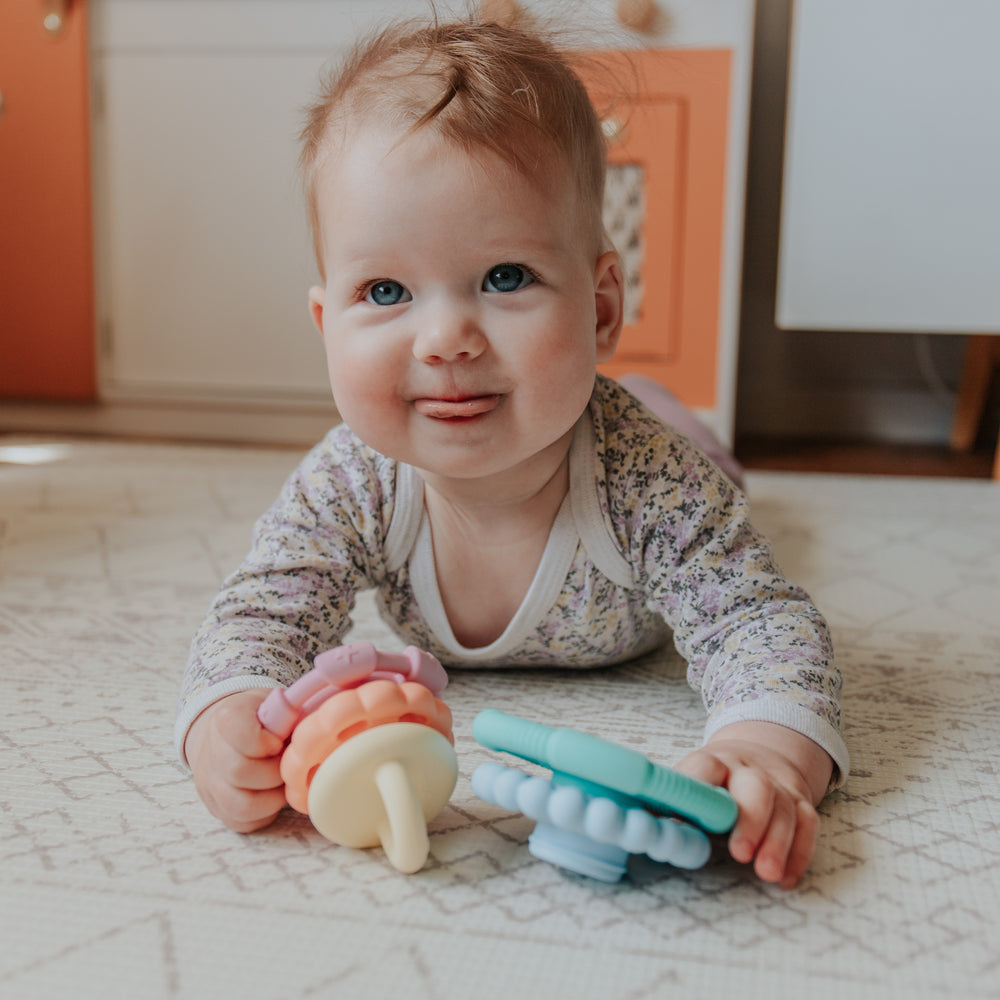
(982, 357)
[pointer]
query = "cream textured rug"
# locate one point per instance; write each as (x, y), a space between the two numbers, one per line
(116, 882)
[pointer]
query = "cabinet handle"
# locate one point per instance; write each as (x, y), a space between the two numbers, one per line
(642, 16)
(503, 12)
(55, 13)
(614, 130)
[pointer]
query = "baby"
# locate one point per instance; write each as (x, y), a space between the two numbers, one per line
(509, 506)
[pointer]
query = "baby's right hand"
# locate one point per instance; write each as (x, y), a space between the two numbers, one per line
(235, 762)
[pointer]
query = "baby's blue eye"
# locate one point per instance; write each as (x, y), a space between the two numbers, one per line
(506, 278)
(387, 293)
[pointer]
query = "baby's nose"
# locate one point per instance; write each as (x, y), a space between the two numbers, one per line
(449, 334)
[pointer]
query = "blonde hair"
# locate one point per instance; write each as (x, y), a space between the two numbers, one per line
(482, 86)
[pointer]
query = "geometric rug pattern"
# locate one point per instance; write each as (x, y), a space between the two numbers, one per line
(116, 881)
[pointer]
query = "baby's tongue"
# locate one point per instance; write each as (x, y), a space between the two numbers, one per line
(448, 409)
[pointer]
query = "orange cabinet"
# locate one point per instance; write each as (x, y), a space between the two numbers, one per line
(46, 271)
(670, 138)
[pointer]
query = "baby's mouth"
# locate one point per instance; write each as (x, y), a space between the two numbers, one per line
(456, 409)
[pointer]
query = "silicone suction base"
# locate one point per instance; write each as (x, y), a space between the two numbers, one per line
(577, 853)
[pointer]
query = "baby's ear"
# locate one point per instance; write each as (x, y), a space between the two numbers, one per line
(609, 299)
(317, 299)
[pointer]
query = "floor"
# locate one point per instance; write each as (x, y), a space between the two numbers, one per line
(116, 881)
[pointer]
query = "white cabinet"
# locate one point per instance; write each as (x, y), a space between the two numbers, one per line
(207, 257)
(204, 256)
(890, 208)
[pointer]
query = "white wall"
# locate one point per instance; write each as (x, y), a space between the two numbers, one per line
(816, 383)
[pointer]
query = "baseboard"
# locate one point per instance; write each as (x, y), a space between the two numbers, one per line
(244, 423)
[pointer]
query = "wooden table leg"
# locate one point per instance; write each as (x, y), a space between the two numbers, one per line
(982, 355)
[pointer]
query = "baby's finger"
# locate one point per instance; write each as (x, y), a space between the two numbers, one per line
(704, 766)
(803, 845)
(245, 811)
(772, 855)
(755, 797)
(239, 727)
(256, 775)
(264, 745)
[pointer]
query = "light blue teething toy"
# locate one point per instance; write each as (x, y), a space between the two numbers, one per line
(595, 810)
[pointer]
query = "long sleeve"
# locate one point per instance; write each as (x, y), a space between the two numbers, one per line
(312, 552)
(756, 646)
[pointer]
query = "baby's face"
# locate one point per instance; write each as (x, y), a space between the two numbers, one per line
(465, 306)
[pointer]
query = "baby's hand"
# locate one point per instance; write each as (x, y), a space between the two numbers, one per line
(777, 777)
(235, 761)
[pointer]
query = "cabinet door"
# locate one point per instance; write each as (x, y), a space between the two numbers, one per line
(890, 213)
(46, 271)
(209, 258)
(671, 138)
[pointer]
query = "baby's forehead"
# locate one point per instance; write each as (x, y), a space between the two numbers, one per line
(534, 161)
(401, 185)
(345, 181)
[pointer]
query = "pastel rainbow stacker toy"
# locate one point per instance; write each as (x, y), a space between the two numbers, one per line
(603, 802)
(370, 755)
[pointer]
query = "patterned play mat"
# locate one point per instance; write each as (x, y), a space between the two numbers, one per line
(116, 882)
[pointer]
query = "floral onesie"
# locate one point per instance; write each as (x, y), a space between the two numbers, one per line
(651, 541)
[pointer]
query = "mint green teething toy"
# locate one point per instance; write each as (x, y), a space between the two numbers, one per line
(603, 802)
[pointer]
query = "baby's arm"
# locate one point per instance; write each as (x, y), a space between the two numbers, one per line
(777, 777)
(234, 760)
(290, 599)
(760, 653)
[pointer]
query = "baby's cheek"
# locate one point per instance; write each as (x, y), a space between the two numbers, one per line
(357, 378)
(371, 406)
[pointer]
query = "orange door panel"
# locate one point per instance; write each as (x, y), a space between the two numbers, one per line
(672, 126)
(47, 348)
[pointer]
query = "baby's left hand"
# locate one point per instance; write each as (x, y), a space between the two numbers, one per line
(777, 777)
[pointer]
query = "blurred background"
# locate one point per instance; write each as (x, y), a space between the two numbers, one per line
(804, 191)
